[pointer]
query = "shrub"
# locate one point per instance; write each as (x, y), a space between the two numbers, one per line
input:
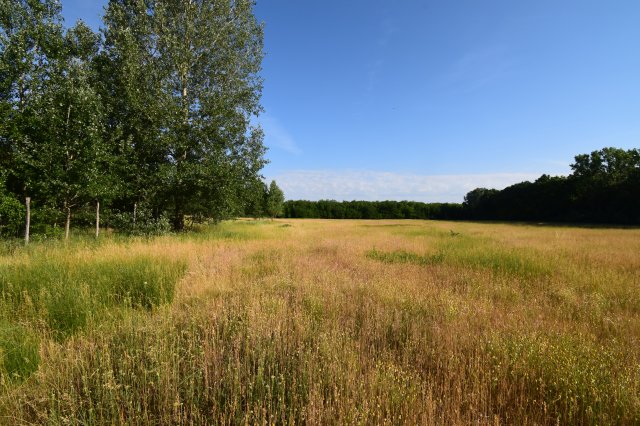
(146, 223)
(12, 214)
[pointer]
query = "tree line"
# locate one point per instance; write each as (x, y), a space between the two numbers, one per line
(604, 187)
(331, 209)
(147, 121)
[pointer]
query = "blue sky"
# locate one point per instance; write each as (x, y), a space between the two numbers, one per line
(426, 100)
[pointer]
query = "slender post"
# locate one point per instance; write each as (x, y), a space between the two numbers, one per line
(135, 212)
(67, 224)
(97, 219)
(28, 224)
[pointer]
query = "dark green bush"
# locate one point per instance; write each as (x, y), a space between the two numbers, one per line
(12, 216)
(146, 223)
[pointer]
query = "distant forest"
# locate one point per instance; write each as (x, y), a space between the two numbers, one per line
(604, 187)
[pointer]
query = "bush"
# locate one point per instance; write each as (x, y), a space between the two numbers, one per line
(46, 222)
(12, 215)
(145, 224)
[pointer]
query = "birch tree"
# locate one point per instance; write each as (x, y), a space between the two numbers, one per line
(200, 60)
(66, 149)
(130, 86)
(30, 37)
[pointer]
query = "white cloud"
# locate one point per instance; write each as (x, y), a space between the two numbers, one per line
(372, 185)
(276, 136)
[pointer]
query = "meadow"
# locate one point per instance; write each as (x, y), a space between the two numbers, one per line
(325, 322)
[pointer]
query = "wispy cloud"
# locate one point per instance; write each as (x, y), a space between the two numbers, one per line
(277, 136)
(373, 185)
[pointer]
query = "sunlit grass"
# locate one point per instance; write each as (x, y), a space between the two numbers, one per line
(326, 322)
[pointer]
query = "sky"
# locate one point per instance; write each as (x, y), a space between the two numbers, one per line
(426, 100)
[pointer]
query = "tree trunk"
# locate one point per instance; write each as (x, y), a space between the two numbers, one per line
(97, 219)
(178, 220)
(67, 223)
(28, 223)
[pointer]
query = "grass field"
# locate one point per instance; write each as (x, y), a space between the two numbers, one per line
(325, 322)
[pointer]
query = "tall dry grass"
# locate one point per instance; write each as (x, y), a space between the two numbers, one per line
(334, 322)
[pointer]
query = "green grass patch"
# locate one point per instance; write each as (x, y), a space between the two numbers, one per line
(510, 263)
(467, 250)
(19, 354)
(403, 256)
(66, 292)
(238, 230)
(139, 282)
(461, 251)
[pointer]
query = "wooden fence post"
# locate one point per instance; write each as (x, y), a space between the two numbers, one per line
(28, 222)
(97, 219)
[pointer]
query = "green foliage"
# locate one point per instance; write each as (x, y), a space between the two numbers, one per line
(145, 224)
(474, 198)
(156, 112)
(613, 165)
(46, 222)
(12, 214)
(330, 209)
(189, 130)
(274, 200)
(65, 152)
(255, 203)
(603, 188)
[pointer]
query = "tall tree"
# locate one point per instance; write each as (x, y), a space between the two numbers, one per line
(256, 201)
(30, 39)
(609, 165)
(130, 85)
(199, 60)
(275, 200)
(66, 151)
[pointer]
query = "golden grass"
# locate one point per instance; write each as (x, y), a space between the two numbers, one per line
(354, 322)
